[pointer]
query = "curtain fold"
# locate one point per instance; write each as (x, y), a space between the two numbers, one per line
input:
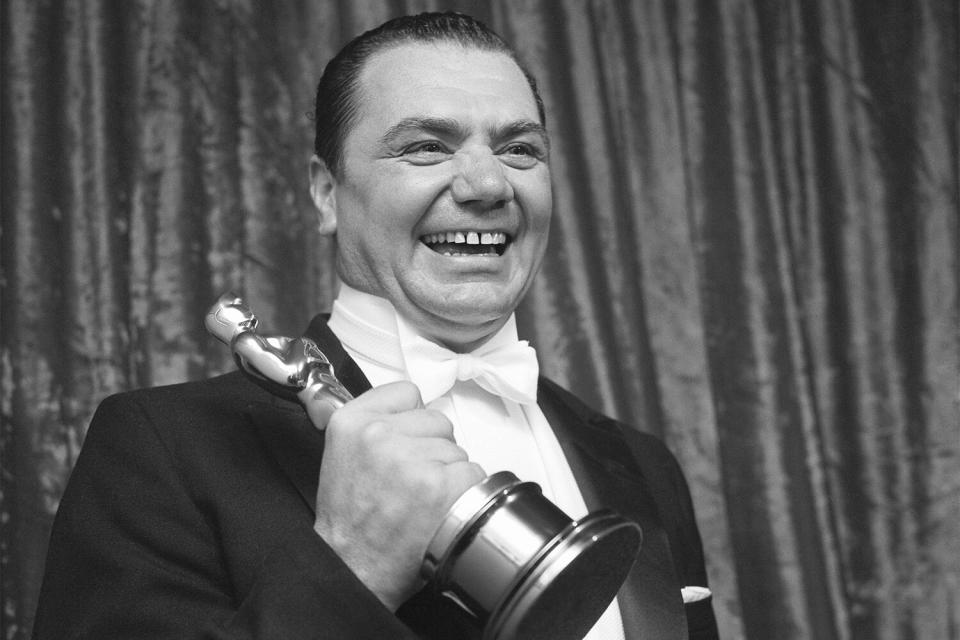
(754, 255)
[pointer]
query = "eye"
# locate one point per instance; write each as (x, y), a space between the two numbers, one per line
(519, 149)
(431, 146)
(425, 152)
(520, 155)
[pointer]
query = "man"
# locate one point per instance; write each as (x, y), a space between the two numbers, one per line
(203, 510)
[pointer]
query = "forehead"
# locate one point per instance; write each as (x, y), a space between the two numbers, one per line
(446, 80)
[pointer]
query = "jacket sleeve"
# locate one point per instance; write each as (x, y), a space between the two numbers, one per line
(132, 555)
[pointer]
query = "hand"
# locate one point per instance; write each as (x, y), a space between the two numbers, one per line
(391, 470)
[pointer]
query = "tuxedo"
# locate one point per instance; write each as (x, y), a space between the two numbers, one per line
(190, 514)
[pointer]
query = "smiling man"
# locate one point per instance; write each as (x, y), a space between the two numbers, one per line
(441, 197)
(214, 510)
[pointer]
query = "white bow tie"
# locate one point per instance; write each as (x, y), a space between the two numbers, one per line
(509, 370)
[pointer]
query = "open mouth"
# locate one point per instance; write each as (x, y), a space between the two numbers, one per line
(467, 243)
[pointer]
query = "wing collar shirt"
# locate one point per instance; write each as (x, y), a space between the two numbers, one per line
(489, 395)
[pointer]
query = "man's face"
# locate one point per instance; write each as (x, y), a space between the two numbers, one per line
(443, 204)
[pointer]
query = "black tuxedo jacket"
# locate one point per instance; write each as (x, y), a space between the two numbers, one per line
(190, 514)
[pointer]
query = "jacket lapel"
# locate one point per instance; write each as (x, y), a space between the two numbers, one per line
(344, 367)
(285, 429)
(609, 477)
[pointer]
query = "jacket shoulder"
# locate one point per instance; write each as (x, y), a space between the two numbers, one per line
(213, 399)
(223, 388)
(192, 421)
(654, 447)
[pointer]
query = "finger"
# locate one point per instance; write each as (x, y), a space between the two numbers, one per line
(423, 423)
(464, 474)
(437, 450)
(392, 397)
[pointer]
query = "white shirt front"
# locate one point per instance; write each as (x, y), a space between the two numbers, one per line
(497, 433)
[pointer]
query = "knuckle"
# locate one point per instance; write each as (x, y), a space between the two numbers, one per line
(338, 423)
(458, 453)
(476, 472)
(374, 433)
(409, 392)
(423, 480)
(439, 423)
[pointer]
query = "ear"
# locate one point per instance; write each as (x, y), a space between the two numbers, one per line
(323, 191)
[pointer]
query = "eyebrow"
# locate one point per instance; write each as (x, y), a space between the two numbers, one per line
(450, 127)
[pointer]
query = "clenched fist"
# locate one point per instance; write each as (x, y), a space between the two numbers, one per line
(391, 470)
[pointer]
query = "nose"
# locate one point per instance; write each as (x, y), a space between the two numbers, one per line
(480, 179)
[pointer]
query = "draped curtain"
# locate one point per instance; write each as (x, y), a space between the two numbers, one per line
(754, 255)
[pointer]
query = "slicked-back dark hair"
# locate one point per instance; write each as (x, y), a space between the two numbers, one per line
(337, 92)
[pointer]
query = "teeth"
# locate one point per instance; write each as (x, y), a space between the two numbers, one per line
(466, 237)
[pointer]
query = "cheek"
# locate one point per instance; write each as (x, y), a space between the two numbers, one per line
(398, 199)
(545, 214)
(537, 200)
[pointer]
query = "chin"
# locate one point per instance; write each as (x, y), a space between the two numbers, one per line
(475, 309)
(465, 321)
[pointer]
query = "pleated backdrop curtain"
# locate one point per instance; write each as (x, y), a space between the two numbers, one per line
(754, 256)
